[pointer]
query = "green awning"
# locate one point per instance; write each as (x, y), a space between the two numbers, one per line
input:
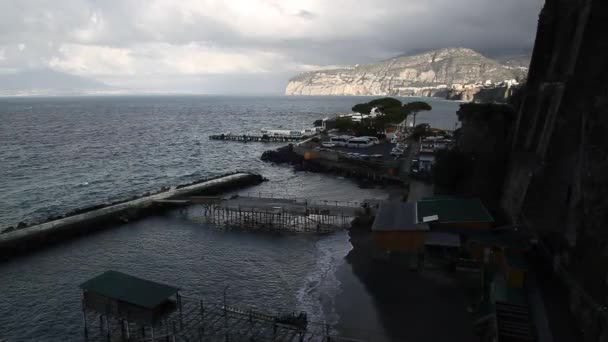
(129, 289)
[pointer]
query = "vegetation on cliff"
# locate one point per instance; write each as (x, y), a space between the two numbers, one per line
(392, 112)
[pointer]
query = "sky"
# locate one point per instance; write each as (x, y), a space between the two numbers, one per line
(243, 46)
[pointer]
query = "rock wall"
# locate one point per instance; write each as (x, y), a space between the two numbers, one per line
(450, 73)
(557, 179)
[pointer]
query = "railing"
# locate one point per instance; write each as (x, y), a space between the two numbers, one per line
(304, 201)
(189, 325)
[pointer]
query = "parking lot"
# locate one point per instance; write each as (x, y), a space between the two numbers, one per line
(382, 149)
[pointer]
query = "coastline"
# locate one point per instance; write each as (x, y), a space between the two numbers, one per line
(407, 305)
(389, 302)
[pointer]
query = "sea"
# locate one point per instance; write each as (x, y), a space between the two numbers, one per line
(59, 154)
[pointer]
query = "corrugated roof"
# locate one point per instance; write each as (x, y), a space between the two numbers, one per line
(127, 288)
(453, 210)
(397, 216)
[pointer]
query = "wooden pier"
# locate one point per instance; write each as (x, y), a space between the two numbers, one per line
(198, 320)
(256, 138)
(264, 213)
(121, 307)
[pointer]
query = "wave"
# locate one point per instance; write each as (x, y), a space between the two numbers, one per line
(321, 287)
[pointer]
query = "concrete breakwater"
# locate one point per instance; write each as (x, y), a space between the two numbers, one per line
(366, 172)
(22, 240)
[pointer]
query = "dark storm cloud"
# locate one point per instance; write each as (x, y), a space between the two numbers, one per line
(128, 41)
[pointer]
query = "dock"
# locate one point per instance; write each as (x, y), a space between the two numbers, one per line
(269, 212)
(199, 320)
(257, 138)
(25, 238)
(129, 308)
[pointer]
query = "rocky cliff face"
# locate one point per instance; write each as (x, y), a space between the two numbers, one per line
(556, 183)
(456, 73)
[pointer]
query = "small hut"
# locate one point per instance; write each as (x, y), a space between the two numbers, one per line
(395, 228)
(128, 299)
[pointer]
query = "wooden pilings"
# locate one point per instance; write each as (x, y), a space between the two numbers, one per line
(311, 220)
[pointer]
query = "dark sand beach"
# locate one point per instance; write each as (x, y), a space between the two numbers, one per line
(397, 304)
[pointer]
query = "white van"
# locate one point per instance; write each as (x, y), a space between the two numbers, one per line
(341, 140)
(361, 142)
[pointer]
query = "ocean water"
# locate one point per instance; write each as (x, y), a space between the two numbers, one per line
(59, 154)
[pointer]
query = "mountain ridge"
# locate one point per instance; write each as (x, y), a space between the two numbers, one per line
(49, 82)
(447, 72)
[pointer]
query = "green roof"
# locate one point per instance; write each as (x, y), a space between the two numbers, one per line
(453, 210)
(129, 289)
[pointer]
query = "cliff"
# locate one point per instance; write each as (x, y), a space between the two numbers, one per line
(556, 180)
(454, 73)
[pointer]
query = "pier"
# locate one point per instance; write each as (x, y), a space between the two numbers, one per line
(257, 138)
(197, 320)
(129, 308)
(26, 238)
(268, 212)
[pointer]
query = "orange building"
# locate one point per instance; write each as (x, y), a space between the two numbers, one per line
(396, 229)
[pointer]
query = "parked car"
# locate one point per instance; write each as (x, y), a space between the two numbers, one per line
(328, 144)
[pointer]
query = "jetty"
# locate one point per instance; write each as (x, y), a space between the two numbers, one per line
(25, 238)
(122, 307)
(257, 138)
(269, 212)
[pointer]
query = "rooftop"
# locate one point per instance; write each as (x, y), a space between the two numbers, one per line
(129, 289)
(397, 216)
(453, 210)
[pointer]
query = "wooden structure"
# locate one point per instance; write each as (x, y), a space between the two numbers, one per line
(129, 300)
(396, 229)
(256, 138)
(113, 298)
(265, 213)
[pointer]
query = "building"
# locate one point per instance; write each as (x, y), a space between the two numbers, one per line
(128, 299)
(445, 212)
(396, 228)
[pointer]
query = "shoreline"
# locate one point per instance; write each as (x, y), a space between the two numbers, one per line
(408, 305)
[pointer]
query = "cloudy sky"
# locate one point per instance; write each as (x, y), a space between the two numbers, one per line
(217, 46)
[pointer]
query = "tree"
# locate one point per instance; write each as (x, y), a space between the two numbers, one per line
(415, 107)
(363, 108)
(385, 102)
(452, 170)
(344, 124)
(421, 131)
(395, 114)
